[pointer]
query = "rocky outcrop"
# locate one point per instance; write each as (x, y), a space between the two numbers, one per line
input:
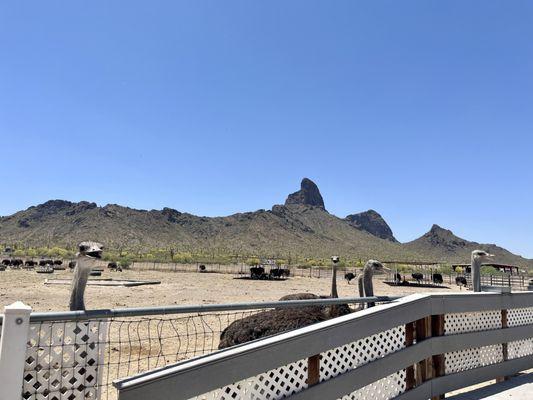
(445, 238)
(307, 195)
(372, 222)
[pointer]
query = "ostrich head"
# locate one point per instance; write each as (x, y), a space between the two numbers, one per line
(365, 281)
(88, 252)
(481, 256)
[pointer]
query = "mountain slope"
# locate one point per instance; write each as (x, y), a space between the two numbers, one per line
(440, 243)
(302, 227)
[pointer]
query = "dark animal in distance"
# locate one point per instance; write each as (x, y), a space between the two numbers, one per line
(72, 264)
(58, 262)
(201, 268)
(349, 276)
(279, 272)
(437, 279)
(417, 276)
(397, 278)
(257, 273)
(6, 262)
(30, 263)
(461, 281)
(114, 266)
(17, 263)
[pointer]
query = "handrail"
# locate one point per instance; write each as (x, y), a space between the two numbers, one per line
(282, 349)
(201, 308)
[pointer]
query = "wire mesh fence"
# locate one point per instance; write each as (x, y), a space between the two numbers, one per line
(79, 358)
(516, 282)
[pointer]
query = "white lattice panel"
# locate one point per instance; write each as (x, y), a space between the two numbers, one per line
(64, 360)
(520, 348)
(473, 358)
(275, 384)
(472, 322)
(384, 389)
(520, 316)
(345, 358)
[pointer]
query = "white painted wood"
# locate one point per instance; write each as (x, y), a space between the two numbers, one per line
(15, 328)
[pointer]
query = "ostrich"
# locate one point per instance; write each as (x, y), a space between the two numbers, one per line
(280, 320)
(366, 287)
(437, 278)
(478, 256)
(397, 278)
(417, 276)
(461, 281)
(349, 276)
(88, 253)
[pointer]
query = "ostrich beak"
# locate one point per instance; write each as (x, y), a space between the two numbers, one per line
(94, 254)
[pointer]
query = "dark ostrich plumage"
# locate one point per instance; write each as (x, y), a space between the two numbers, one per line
(279, 320)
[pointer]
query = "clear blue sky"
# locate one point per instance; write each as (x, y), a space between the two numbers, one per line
(422, 110)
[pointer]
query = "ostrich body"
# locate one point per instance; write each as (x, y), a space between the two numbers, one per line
(88, 253)
(349, 276)
(478, 256)
(280, 320)
(417, 276)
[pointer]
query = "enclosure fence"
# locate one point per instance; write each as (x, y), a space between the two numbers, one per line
(77, 355)
(419, 347)
(516, 282)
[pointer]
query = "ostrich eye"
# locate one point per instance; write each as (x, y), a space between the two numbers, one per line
(83, 248)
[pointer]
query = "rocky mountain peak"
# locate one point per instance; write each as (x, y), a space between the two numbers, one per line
(372, 222)
(307, 195)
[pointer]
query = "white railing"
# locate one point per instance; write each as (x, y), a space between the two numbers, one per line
(418, 347)
(77, 355)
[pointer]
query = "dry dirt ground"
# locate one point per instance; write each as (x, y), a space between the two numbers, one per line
(176, 288)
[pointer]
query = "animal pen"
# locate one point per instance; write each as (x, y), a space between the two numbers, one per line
(78, 354)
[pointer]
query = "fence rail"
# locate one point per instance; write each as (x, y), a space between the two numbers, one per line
(77, 354)
(420, 346)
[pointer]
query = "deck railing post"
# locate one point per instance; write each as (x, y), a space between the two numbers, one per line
(313, 370)
(15, 331)
(437, 329)
(409, 371)
(424, 368)
(505, 349)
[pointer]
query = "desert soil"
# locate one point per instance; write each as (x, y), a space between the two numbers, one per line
(176, 288)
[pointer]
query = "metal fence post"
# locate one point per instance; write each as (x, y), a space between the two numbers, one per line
(15, 331)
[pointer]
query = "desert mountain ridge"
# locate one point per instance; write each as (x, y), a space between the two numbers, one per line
(301, 226)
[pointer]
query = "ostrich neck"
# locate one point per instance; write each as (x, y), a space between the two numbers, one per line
(367, 283)
(79, 283)
(334, 294)
(476, 274)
